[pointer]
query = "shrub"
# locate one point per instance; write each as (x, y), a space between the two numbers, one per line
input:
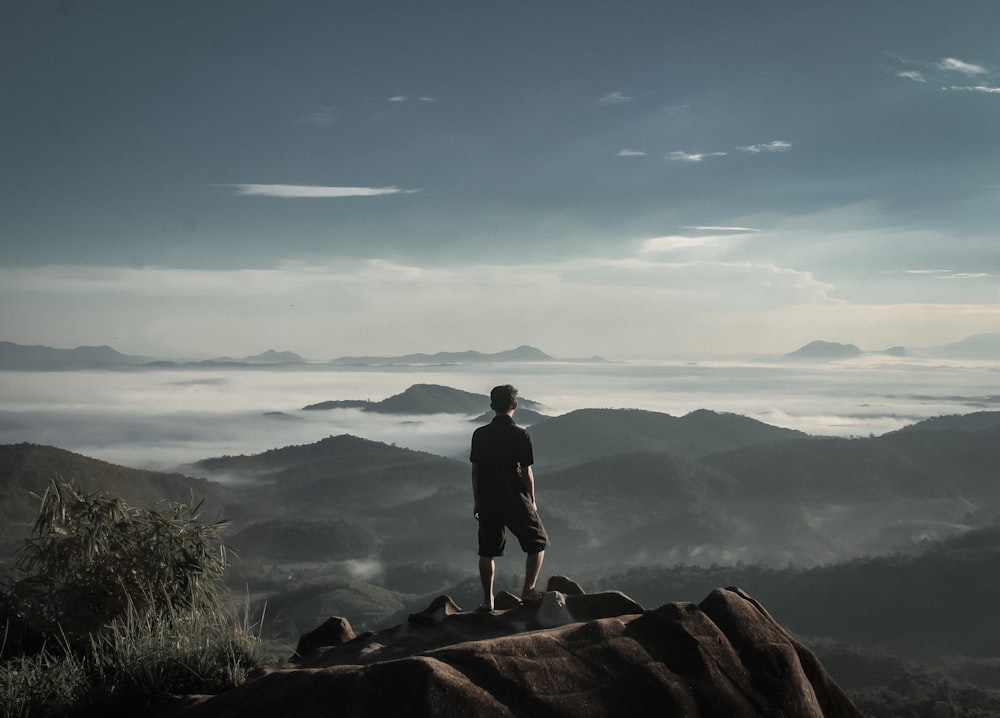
(112, 605)
(90, 557)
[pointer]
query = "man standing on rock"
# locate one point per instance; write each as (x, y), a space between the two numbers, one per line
(503, 490)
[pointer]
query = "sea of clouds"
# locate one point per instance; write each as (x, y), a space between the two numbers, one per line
(166, 418)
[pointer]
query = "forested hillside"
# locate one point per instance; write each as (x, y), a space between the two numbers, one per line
(840, 538)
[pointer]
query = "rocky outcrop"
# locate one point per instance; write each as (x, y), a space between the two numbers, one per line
(566, 655)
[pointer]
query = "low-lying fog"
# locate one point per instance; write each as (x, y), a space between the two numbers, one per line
(162, 419)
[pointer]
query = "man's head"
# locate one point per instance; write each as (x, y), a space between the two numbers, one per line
(503, 398)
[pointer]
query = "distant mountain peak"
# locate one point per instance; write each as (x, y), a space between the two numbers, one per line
(825, 350)
(523, 353)
(275, 357)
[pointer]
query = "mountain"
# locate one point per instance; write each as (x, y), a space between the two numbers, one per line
(915, 465)
(274, 357)
(975, 421)
(18, 357)
(571, 654)
(26, 469)
(978, 346)
(523, 353)
(294, 540)
(824, 351)
(423, 399)
(586, 434)
(338, 477)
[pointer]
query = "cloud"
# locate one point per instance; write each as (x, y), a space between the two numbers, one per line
(775, 146)
(712, 228)
(286, 191)
(914, 75)
(669, 243)
(614, 98)
(679, 156)
(968, 275)
(631, 153)
(986, 89)
(397, 98)
(954, 64)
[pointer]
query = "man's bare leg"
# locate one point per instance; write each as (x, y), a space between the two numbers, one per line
(486, 571)
(532, 567)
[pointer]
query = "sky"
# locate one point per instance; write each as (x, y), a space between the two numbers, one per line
(640, 179)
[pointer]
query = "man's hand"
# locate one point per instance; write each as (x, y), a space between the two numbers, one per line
(475, 512)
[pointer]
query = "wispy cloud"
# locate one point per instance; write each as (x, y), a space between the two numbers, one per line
(614, 98)
(397, 98)
(674, 242)
(985, 89)
(631, 153)
(713, 228)
(292, 191)
(954, 64)
(679, 156)
(914, 75)
(967, 275)
(775, 146)
(942, 73)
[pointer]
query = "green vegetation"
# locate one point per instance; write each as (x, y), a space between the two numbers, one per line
(111, 605)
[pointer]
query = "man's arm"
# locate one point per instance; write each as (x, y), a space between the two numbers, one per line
(528, 477)
(475, 490)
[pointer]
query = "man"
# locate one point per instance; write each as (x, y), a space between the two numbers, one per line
(503, 490)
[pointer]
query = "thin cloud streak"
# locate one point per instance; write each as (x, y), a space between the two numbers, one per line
(986, 89)
(775, 146)
(680, 156)
(614, 98)
(712, 228)
(290, 191)
(952, 63)
(671, 243)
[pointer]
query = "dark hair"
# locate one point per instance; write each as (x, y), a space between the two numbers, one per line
(502, 398)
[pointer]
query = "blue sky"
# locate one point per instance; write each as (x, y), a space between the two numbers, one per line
(635, 179)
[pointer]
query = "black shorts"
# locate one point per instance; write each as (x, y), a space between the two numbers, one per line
(522, 520)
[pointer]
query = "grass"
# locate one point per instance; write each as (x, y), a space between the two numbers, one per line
(138, 658)
(114, 606)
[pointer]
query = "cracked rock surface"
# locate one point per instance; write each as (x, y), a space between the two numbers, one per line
(567, 655)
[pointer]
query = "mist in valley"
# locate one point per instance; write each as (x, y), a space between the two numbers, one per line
(162, 419)
(834, 492)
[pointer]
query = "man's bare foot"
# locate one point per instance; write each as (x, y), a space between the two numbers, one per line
(531, 596)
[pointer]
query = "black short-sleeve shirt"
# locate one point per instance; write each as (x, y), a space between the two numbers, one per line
(502, 452)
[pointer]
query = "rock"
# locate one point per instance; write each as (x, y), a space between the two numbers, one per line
(723, 657)
(552, 610)
(564, 585)
(333, 632)
(440, 608)
(591, 606)
(505, 600)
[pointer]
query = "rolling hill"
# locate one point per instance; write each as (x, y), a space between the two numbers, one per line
(594, 433)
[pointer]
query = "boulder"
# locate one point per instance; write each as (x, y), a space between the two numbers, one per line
(333, 632)
(566, 655)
